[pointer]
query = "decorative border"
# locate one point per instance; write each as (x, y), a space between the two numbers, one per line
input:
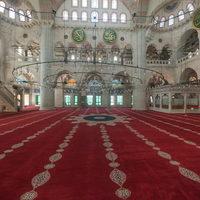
(28, 124)
(182, 170)
(43, 177)
(117, 176)
(32, 137)
(189, 142)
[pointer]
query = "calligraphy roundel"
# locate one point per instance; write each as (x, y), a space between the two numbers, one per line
(196, 19)
(110, 36)
(78, 35)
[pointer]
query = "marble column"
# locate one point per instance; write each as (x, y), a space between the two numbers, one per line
(139, 91)
(46, 44)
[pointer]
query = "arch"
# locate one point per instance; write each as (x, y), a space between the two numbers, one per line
(166, 52)
(151, 52)
(66, 76)
(188, 43)
(189, 75)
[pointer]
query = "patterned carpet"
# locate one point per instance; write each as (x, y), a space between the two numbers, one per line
(99, 154)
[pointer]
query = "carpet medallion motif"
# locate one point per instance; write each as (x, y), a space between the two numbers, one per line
(103, 118)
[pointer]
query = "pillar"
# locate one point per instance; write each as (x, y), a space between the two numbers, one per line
(46, 44)
(139, 91)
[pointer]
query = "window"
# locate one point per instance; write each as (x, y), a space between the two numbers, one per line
(105, 3)
(74, 16)
(75, 3)
(12, 13)
(37, 100)
(21, 16)
(98, 101)
(76, 100)
(114, 4)
(119, 100)
(162, 22)
(105, 17)
(115, 59)
(84, 16)
(65, 15)
(181, 15)
(94, 16)
(155, 21)
(67, 100)
(20, 51)
(2, 6)
(28, 12)
(114, 17)
(84, 3)
(123, 18)
(112, 100)
(171, 20)
(73, 57)
(89, 100)
(190, 8)
(94, 3)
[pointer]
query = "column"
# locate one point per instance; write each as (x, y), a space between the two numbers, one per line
(31, 96)
(170, 102)
(139, 91)
(46, 44)
(185, 102)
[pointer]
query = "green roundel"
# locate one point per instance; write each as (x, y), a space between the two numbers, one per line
(109, 36)
(78, 35)
(196, 19)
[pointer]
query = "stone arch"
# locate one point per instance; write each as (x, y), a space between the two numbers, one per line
(188, 43)
(152, 52)
(166, 52)
(189, 75)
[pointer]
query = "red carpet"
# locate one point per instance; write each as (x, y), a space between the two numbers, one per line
(59, 155)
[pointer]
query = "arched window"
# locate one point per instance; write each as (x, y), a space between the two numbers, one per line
(94, 3)
(114, 17)
(181, 15)
(2, 6)
(162, 22)
(84, 3)
(20, 51)
(75, 3)
(155, 20)
(22, 16)
(190, 8)
(84, 16)
(114, 4)
(123, 18)
(28, 12)
(105, 3)
(11, 13)
(171, 20)
(74, 16)
(65, 15)
(105, 17)
(94, 16)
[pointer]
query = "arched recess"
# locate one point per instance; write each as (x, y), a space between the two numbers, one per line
(166, 52)
(189, 43)
(152, 52)
(127, 54)
(92, 89)
(156, 80)
(189, 75)
(121, 89)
